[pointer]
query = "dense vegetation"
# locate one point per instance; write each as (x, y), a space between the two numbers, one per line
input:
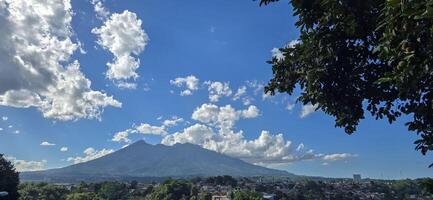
(9, 178)
(246, 189)
(357, 56)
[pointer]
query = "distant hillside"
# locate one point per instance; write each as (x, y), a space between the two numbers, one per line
(144, 160)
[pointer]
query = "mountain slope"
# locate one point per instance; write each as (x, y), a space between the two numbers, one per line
(144, 160)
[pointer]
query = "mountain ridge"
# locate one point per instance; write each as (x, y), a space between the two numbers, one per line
(141, 159)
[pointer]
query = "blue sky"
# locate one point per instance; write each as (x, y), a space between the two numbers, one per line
(224, 45)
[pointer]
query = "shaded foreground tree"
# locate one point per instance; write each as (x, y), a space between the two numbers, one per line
(9, 178)
(357, 56)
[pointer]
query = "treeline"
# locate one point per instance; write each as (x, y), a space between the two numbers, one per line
(168, 190)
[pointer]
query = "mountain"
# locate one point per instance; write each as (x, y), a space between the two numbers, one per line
(141, 160)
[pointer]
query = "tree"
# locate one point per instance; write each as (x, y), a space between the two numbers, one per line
(113, 191)
(83, 196)
(33, 191)
(427, 185)
(9, 178)
(246, 195)
(171, 189)
(357, 56)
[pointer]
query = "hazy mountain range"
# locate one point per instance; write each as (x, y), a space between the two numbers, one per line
(145, 160)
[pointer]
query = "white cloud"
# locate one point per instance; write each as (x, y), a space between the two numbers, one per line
(258, 89)
(293, 43)
(300, 147)
(251, 112)
(17, 131)
(35, 50)
(126, 85)
(267, 149)
(222, 117)
(143, 128)
(123, 36)
(64, 149)
(122, 136)
(240, 92)
(247, 101)
(190, 82)
(290, 106)
(1, 129)
(23, 165)
(101, 12)
(152, 130)
(277, 54)
(90, 154)
(45, 143)
(10, 126)
(338, 156)
(307, 110)
(195, 134)
(172, 122)
(4, 118)
(217, 90)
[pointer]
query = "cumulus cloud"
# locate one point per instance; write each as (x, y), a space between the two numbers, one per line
(45, 143)
(143, 128)
(24, 165)
(4, 118)
(122, 136)
(190, 83)
(338, 156)
(217, 90)
(17, 132)
(172, 122)
(122, 35)
(90, 154)
(307, 110)
(195, 134)
(267, 149)
(151, 130)
(64, 149)
(240, 92)
(35, 50)
(101, 12)
(258, 89)
(223, 117)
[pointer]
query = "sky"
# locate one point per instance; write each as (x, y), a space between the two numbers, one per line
(81, 79)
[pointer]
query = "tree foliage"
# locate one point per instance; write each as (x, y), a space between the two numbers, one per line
(172, 189)
(427, 185)
(246, 195)
(9, 178)
(35, 191)
(357, 56)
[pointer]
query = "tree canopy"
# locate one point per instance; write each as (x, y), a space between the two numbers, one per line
(9, 178)
(362, 56)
